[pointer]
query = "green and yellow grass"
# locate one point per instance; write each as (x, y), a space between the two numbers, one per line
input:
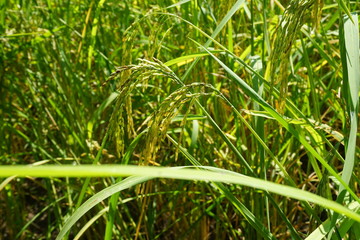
(179, 119)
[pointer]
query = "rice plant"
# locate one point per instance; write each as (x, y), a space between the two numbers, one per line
(179, 119)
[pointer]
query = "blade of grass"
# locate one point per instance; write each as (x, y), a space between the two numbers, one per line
(178, 3)
(260, 129)
(349, 38)
(90, 222)
(314, 96)
(144, 173)
(93, 37)
(186, 59)
(326, 226)
(352, 78)
(343, 6)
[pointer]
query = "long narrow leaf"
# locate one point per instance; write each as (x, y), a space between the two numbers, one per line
(351, 58)
(172, 173)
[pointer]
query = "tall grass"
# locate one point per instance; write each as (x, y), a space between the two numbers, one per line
(238, 119)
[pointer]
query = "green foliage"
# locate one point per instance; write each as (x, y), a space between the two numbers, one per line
(259, 98)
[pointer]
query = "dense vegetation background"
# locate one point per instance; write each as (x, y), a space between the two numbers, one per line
(272, 94)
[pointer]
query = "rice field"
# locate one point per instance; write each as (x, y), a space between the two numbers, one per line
(191, 119)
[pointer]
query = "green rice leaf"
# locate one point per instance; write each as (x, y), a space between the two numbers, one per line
(178, 3)
(141, 174)
(352, 77)
(343, 6)
(187, 59)
(343, 222)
